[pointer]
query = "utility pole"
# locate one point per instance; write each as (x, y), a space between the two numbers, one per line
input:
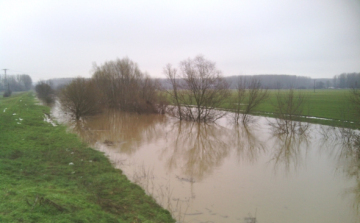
(5, 73)
(6, 79)
(314, 85)
(5, 76)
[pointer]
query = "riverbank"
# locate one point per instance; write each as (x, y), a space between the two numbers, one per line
(49, 175)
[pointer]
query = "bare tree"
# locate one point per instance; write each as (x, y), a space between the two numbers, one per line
(249, 95)
(198, 90)
(288, 108)
(81, 98)
(354, 98)
(238, 102)
(256, 95)
(26, 81)
(171, 74)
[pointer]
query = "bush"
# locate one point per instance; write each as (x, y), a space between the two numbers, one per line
(81, 98)
(45, 92)
(7, 93)
(126, 88)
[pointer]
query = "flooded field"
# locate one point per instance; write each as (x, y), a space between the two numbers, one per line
(226, 173)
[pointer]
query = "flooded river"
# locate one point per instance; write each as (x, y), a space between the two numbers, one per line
(226, 173)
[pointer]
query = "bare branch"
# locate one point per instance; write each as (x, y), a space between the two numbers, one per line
(198, 90)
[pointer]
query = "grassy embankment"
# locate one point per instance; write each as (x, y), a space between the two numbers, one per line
(327, 103)
(49, 175)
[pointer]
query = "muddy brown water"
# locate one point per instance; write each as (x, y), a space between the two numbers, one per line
(223, 173)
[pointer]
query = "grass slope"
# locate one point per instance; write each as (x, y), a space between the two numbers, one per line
(48, 175)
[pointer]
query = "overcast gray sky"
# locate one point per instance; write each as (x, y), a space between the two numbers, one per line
(47, 39)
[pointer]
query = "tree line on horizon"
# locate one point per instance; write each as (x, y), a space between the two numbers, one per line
(21, 82)
(347, 80)
(269, 81)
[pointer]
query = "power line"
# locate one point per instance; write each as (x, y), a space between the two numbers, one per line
(17, 71)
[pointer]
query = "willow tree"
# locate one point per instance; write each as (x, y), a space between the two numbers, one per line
(197, 90)
(81, 98)
(126, 88)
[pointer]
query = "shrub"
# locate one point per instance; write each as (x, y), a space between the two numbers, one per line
(81, 98)
(45, 92)
(126, 88)
(7, 93)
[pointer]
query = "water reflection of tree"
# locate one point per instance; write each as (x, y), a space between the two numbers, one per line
(285, 126)
(124, 131)
(197, 147)
(248, 146)
(291, 140)
(344, 146)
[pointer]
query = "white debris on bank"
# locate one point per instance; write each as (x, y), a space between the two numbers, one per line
(19, 120)
(48, 120)
(5, 109)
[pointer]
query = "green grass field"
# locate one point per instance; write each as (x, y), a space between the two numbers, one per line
(49, 175)
(331, 104)
(328, 103)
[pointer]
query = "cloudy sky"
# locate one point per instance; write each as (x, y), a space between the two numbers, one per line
(46, 39)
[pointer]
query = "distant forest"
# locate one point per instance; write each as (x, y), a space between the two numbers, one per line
(270, 81)
(21, 82)
(347, 80)
(344, 80)
(56, 83)
(273, 81)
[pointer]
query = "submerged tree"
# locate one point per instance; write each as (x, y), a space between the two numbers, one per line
(81, 98)
(249, 95)
(116, 85)
(126, 88)
(198, 90)
(289, 107)
(237, 103)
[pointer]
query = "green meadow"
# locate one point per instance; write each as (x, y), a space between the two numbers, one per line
(330, 104)
(49, 175)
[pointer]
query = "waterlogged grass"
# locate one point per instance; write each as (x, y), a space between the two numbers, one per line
(48, 175)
